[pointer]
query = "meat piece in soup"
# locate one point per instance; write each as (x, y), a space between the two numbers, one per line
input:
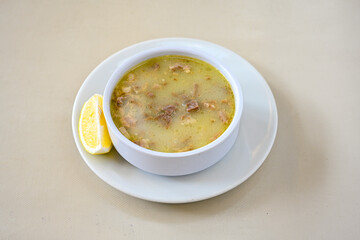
(172, 104)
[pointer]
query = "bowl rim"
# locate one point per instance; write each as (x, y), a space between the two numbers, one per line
(125, 66)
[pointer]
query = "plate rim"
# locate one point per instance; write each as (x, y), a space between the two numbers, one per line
(239, 181)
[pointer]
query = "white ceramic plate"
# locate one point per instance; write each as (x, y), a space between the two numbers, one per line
(258, 128)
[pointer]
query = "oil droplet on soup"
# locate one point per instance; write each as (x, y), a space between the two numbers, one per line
(172, 104)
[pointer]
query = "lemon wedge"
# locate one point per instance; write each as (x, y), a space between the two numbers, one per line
(93, 131)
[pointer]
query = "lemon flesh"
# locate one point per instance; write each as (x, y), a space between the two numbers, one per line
(93, 131)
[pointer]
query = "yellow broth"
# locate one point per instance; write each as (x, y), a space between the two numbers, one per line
(172, 104)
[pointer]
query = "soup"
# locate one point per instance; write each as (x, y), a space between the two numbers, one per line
(172, 104)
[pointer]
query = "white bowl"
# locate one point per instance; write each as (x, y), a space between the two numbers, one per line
(173, 164)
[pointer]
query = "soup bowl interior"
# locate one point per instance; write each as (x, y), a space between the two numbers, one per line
(177, 163)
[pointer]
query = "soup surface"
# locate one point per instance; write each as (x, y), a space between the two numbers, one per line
(172, 104)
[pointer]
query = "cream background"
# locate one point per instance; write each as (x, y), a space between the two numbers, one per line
(308, 51)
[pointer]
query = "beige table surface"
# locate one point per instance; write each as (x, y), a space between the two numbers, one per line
(308, 51)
